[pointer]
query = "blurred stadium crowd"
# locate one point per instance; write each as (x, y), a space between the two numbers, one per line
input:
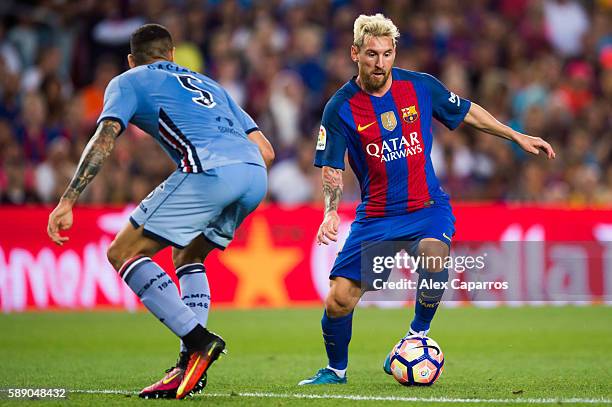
(542, 66)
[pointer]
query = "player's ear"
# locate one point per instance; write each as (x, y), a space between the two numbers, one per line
(354, 53)
(131, 62)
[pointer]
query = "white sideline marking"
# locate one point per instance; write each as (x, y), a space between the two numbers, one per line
(126, 392)
(378, 398)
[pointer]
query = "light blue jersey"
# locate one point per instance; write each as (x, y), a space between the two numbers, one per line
(191, 116)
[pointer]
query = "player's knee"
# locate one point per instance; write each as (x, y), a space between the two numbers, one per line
(192, 254)
(178, 259)
(181, 258)
(434, 252)
(113, 253)
(338, 306)
(117, 254)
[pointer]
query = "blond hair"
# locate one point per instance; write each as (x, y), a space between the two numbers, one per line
(375, 26)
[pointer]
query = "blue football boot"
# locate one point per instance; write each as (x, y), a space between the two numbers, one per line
(387, 364)
(324, 376)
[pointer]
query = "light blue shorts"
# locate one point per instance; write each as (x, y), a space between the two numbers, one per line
(213, 203)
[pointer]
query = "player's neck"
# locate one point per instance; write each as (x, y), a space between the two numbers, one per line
(155, 60)
(378, 92)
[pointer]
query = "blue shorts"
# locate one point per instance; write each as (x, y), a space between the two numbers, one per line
(213, 203)
(436, 222)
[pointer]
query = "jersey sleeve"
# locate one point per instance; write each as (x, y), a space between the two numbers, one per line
(447, 107)
(120, 102)
(245, 120)
(331, 142)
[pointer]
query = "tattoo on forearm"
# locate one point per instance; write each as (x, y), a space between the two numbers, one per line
(332, 188)
(96, 151)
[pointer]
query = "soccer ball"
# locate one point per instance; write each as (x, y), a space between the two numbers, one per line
(417, 360)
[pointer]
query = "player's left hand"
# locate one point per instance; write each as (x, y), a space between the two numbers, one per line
(533, 145)
(60, 219)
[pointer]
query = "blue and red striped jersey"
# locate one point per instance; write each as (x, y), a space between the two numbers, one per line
(389, 140)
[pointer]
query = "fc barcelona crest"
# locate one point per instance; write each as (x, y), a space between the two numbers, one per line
(388, 120)
(409, 114)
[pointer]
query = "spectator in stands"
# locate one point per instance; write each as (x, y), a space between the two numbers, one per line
(92, 95)
(33, 132)
(15, 185)
(52, 175)
(542, 66)
(186, 53)
(292, 180)
(566, 24)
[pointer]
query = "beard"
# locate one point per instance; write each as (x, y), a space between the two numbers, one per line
(372, 82)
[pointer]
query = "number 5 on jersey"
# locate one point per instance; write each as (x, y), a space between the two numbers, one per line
(205, 98)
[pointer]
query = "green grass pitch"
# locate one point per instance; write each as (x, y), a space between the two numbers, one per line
(544, 356)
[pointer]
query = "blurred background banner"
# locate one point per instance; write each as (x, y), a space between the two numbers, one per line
(544, 67)
(275, 262)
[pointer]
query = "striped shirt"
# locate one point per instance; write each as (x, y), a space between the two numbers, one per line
(389, 140)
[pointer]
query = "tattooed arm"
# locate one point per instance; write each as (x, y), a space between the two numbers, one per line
(332, 188)
(332, 191)
(97, 150)
(99, 147)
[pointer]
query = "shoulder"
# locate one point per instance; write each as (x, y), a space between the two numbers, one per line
(207, 79)
(339, 99)
(423, 80)
(213, 85)
(407, 75)
(136, 72)
(127, 78)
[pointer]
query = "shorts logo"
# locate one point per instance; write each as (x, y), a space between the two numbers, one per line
(409, 114)
(388, 120)
(322, 139)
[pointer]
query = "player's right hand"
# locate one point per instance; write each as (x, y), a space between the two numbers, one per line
(533, 145)
(60, 219)
(329, 228)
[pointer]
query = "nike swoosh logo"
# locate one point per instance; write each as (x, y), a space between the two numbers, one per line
(186, 379)
(444, 234)
(362, 128)
(168, 380)
(212, 348)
